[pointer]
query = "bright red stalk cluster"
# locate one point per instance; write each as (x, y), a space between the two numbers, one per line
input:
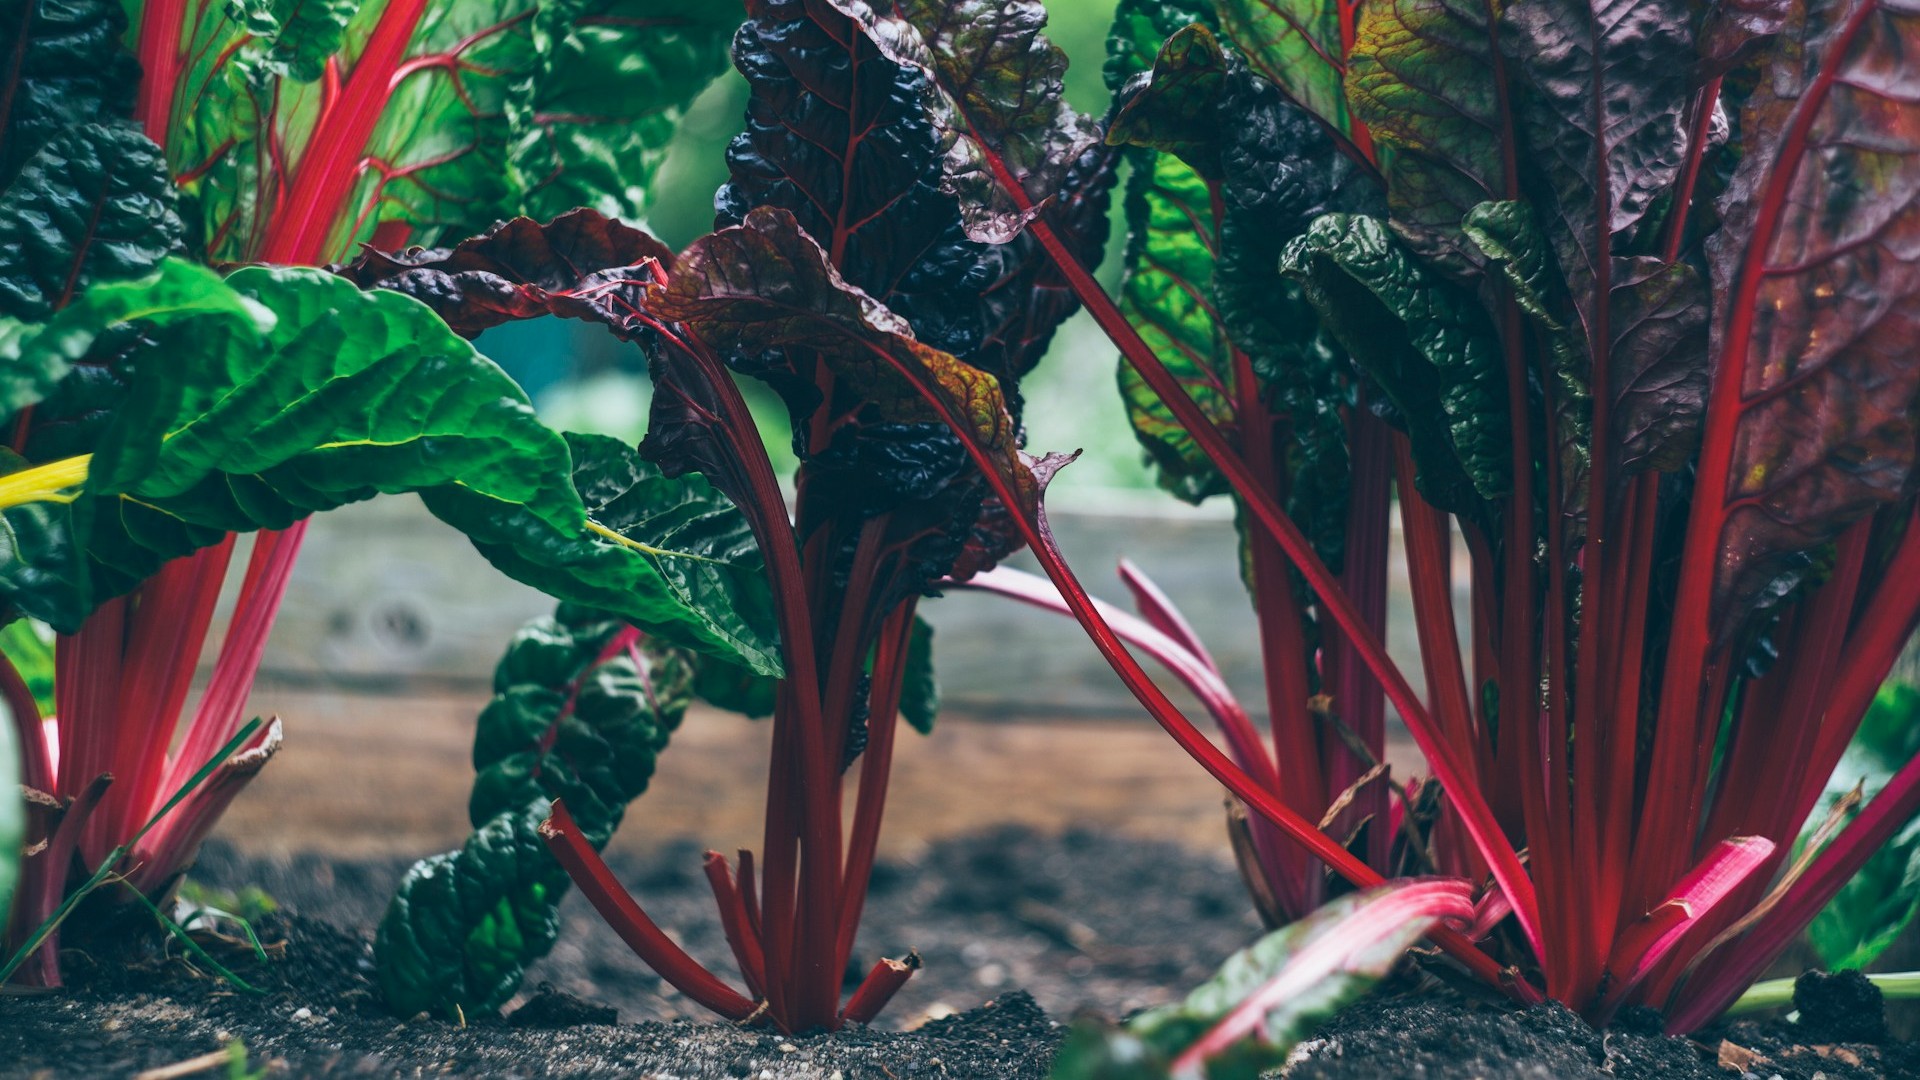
(1620, 918)
(792, 923)
(114, 750)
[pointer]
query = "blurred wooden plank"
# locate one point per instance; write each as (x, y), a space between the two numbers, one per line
(376, 774)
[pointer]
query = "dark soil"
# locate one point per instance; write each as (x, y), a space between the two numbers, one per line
(1081, 922)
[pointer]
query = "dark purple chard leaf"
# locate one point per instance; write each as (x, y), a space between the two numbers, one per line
(1425, 79)
(765, 288)
(1173, 107)
(838, 135)
(71, 70)
(1606, 93)
(1659, 364)
(1734, 29)
(996, 98)
(580, 265)
(1817, 379)
(93, 204)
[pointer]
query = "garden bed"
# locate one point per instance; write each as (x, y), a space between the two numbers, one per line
(1019, 930)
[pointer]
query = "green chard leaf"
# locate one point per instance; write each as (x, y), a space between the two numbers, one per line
(582, 708)
(282, 392)
(1266, 998)
(1140, 27)
(1295, 44)
(93, 204)
(297, 36)
(1423, 78)
(592, 117)
(1167, 294)
(71, 71)
(1424, 342)
(686, 564)
(920, 692)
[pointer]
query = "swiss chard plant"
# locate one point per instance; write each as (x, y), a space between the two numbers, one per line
(1618, 297)
(154, 408)
(842, 274)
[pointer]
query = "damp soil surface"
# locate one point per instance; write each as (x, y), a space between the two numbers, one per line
(1020, 932)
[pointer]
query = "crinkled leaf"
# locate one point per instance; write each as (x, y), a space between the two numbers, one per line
(995, 96)
(93, 204)
(592, 118)
(1174, 107)
(1734, 29)
(580, 265)
(690, 570)
(1817, 304)
(71, 70)
(1427, 345)
(765, 293)
(1422, 78)
(1659, 363)
(1603, 113)
(1296, 45)
(581, 710)
(839, 135)
(919, 691)
(1270, 996)
(296, 36)
(1140, 27)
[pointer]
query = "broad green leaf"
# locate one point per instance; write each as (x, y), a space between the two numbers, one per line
(1424, 342)
(1870, 912)
(592, 118)
(36, 357)
(93, 204)
(1140, 27)
(1175, 108)
(1243, 1021)
(1167, 294)
(295, 392)
(734, 688)
(685, 565)
(1295, 44)
(28, 646)
(1421, 78)
(919, 692)
(582, 708)
(71, 70)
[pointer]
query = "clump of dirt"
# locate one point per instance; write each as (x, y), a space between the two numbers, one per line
(1840, 1007)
